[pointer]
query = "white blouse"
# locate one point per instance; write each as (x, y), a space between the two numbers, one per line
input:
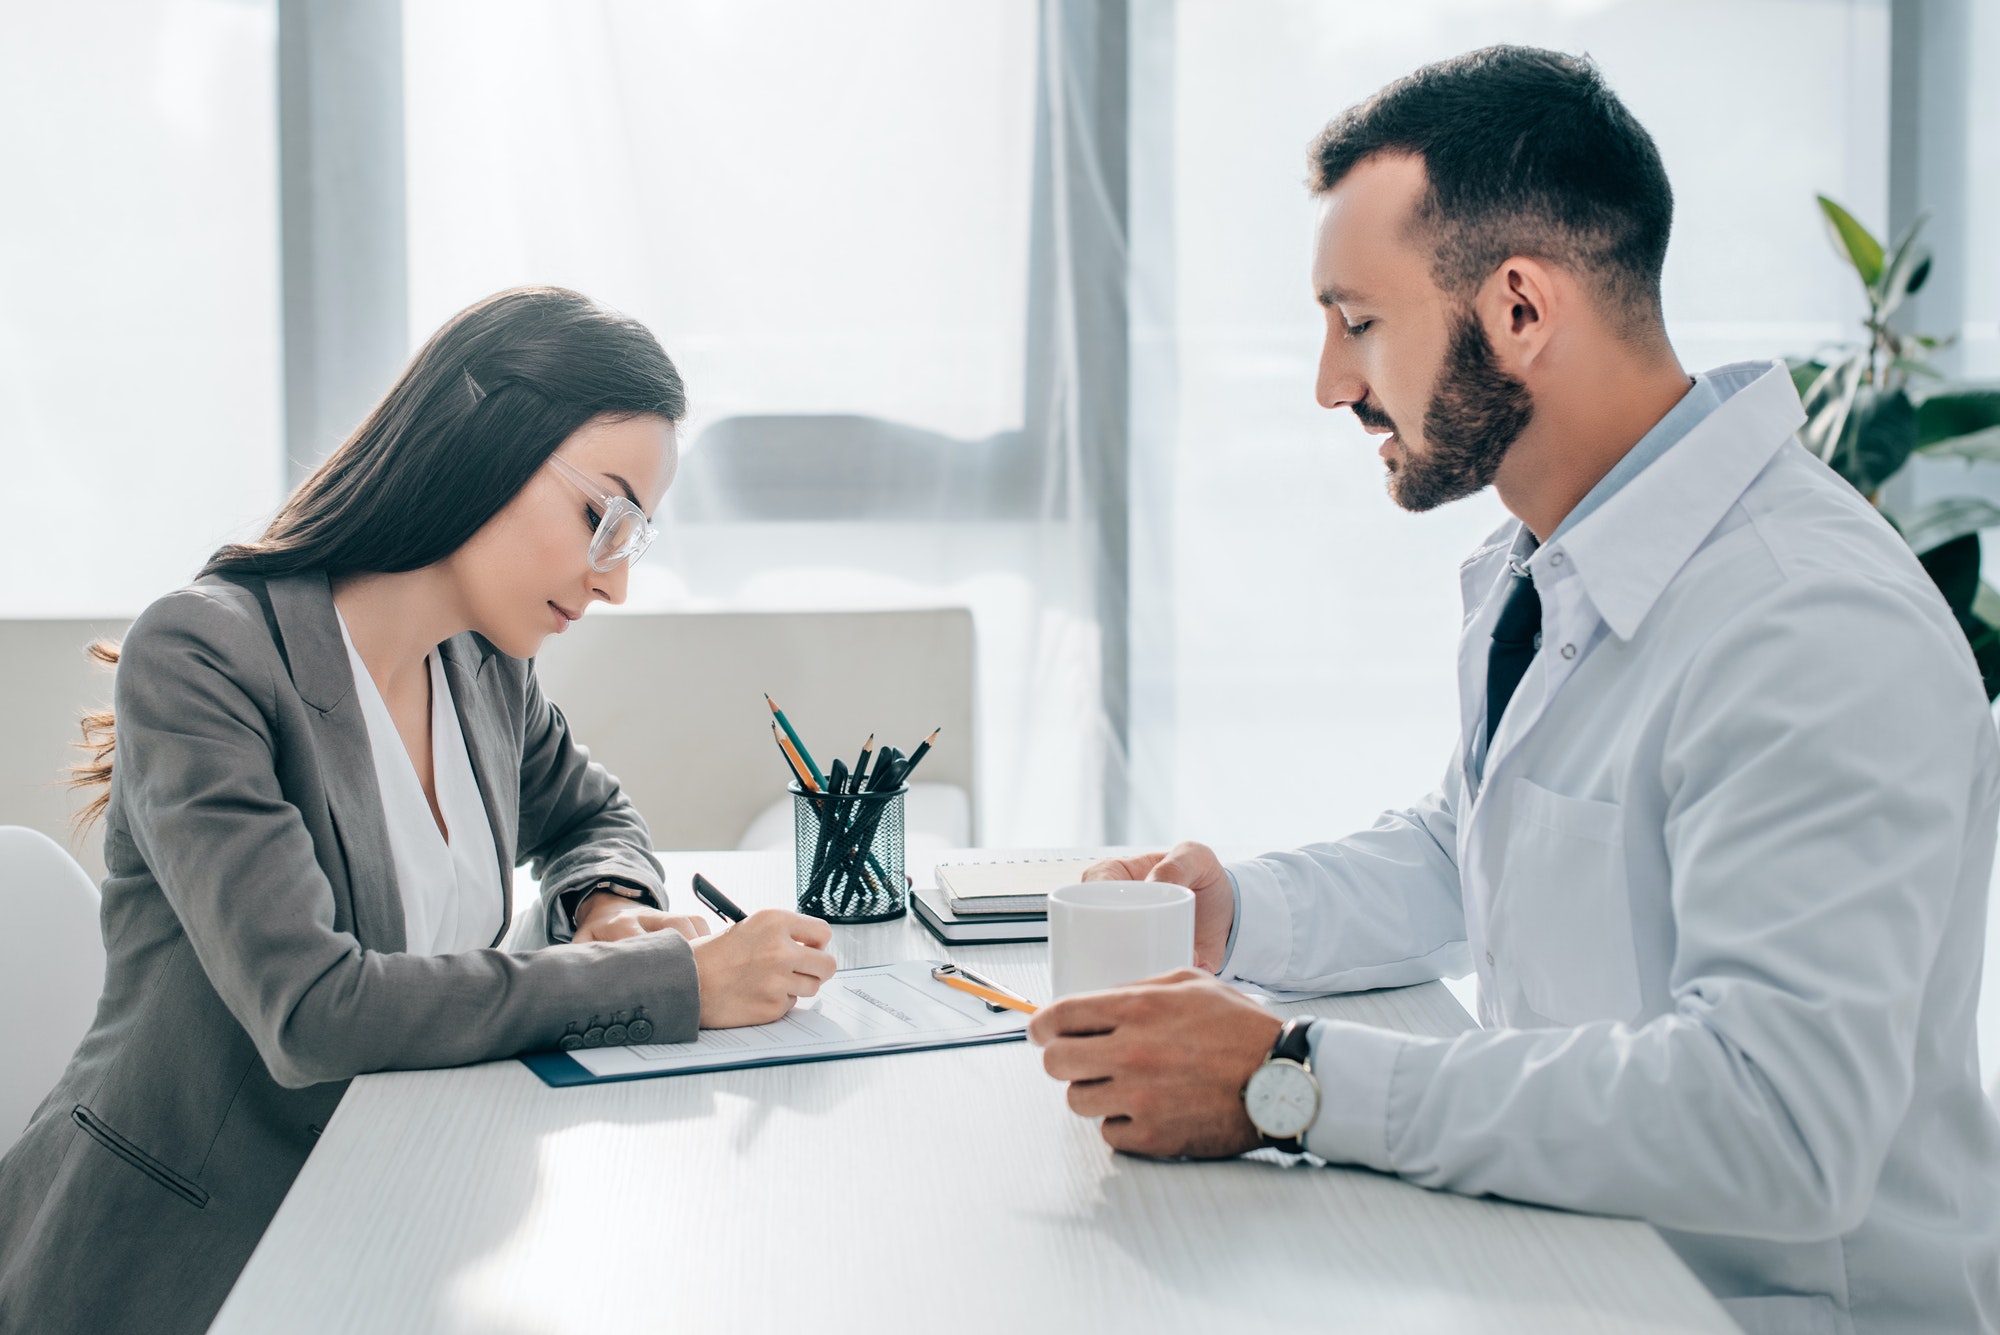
(450, 885)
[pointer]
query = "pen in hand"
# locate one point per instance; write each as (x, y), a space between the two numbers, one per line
(722, 905)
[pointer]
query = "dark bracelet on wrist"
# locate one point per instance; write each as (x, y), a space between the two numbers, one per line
(572, 900)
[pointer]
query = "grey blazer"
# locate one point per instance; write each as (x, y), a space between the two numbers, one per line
(255, 935)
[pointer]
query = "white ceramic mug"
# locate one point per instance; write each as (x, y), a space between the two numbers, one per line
(1108, 933)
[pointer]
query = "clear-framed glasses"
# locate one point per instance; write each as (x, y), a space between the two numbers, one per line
(623, 532)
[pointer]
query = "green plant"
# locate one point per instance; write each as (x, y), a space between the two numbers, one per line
(1872, 408)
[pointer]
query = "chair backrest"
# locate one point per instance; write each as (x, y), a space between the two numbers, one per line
(51, 969)
(50, 683)
(673, 703)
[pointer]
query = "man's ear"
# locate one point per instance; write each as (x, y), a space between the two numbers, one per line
(1517, 305)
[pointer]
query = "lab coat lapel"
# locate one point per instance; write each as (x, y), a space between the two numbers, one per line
(1481, 579)
(317, 656)
(495, 765)
(1626, 554)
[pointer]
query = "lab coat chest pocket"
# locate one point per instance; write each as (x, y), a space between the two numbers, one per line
(1562, 911)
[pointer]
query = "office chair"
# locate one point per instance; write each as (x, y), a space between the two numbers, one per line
(50, 978)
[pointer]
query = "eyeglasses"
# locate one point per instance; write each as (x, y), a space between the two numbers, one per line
(623, 533)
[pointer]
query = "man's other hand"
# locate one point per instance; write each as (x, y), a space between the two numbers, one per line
(1163, 1062)
(1196, 867)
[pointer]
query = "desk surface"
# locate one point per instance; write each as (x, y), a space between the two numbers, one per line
(935, 1192)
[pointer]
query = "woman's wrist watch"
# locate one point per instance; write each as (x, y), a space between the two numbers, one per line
(572, 900)
(1282, 1096)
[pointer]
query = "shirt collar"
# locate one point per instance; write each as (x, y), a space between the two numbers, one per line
(1629, 548)
(1701, 399)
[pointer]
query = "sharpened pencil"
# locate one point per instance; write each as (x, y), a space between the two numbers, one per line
(791, 732)
(923, 749)
(806, 781)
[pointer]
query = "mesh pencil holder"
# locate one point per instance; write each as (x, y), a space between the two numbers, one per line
(850, 855)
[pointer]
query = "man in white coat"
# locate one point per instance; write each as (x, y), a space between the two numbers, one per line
(1718, 833)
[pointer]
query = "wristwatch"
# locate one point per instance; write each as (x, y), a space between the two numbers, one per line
(1282, 1096)
(572, 900)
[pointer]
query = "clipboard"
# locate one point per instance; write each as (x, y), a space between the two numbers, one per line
(863, 1012)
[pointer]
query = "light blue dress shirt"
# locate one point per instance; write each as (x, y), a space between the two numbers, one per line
(1693, 409)
(1723, 879)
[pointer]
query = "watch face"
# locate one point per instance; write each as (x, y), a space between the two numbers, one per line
(1282, 1099)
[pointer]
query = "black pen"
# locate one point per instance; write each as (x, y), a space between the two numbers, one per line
(722, 904)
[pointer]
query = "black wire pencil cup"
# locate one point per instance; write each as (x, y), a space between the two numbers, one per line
(848, 827)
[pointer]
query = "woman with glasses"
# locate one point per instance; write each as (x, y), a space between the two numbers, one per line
(331, 752)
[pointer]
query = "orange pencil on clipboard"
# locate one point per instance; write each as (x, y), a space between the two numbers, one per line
(951, 975)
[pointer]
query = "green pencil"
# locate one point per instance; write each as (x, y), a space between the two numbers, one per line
(790, 732)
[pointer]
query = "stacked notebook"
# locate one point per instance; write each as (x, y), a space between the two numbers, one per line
(993, 902)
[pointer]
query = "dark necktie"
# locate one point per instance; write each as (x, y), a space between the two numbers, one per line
(1516, 636)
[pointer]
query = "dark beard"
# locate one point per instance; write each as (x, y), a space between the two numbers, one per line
(1476, 412)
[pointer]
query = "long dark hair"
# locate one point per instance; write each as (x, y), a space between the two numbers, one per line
(476, 412)
(481, 406)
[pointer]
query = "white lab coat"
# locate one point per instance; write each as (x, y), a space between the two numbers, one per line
(1723, 878)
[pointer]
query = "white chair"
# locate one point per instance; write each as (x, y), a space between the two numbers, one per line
(51, 969)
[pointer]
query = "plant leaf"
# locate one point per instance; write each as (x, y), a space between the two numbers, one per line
(1959, 410)
(1880, 432)
(1954, 567)
(1975, 446)
(1917, 277)
(1986, 604)
(1829, 402)
(1985, 641)
(1905, 256)
(1854, 241)
(1933, 525)
(1804, 373)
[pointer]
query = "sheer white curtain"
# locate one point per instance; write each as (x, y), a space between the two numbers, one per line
(824, 212)
(1979, 352)
(1315, 623)
(139, 354)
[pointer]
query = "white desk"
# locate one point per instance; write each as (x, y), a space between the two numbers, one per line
(935, 1192)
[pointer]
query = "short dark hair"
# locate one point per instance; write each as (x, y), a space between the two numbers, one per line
(1527, 152)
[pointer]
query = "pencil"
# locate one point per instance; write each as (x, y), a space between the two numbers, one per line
(923, 749)
(792, 758)
(987, 994)
(805, 755)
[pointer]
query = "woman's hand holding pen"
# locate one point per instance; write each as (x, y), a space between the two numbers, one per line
(753, 971)
(607, 917)
(1196, 867)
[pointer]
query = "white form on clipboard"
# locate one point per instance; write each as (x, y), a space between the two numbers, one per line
(858, 1013)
